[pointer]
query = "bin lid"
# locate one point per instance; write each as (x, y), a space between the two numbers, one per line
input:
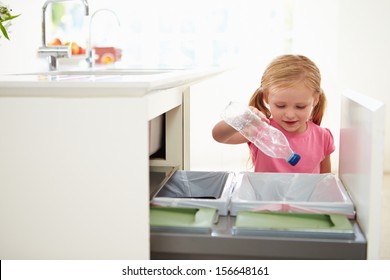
(158, 176)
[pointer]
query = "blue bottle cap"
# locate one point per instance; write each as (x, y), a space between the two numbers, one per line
(294, 159)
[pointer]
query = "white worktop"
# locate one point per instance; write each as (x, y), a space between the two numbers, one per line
(126, 82)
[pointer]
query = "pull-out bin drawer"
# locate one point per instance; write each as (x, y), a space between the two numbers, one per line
(183, 225)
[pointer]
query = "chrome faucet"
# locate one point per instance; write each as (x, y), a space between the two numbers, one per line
(90, 52)
(55, 52)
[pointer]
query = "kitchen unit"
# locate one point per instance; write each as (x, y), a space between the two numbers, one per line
(74, 164)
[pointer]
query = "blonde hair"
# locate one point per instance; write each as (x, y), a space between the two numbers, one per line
(285, 71)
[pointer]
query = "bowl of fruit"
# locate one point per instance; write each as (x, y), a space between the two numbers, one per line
(78, 52)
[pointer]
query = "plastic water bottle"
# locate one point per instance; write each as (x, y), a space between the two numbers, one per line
(268, 139)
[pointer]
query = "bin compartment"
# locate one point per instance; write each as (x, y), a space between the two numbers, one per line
(288, 192)
(197, 189)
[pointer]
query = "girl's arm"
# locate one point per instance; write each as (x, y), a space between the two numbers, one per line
(224, 133)
(325, 165)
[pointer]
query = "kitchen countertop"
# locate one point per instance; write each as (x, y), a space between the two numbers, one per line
(120, 82)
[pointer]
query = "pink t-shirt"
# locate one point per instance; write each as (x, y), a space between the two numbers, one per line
(313, 145)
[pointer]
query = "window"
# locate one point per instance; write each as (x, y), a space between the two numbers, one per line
(180, 34)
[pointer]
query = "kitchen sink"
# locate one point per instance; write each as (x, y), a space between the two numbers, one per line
(98, 73)
(113, 71)
(103, 72)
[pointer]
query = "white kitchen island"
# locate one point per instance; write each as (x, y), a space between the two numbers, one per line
(74, 159)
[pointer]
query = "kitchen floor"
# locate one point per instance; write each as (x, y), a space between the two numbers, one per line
(385, 233)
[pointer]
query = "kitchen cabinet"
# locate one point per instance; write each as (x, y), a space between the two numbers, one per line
(74, 164)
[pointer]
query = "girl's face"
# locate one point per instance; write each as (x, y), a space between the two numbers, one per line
(291, 107)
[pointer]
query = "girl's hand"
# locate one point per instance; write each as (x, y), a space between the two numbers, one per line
(258, 113)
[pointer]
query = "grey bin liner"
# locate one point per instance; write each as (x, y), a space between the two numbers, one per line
(194, 185)
(197, 189)
(315, 193)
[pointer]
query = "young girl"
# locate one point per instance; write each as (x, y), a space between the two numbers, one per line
(289, 98)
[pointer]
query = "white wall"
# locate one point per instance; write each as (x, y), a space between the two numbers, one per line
(19, 54)
(364, 53)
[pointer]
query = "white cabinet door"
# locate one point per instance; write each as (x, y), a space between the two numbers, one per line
(361, 161)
